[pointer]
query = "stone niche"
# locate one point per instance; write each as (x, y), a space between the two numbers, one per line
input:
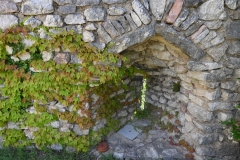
(199, 104)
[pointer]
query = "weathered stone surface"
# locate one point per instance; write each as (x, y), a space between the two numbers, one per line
(87, 2)
(234, 48)
(199, 112)
(76, 28)
(183, 15)
(17, 1)
(221, 74)
(196, 100)
(141, 12)
(35, 7)
(136, 19)
(211, 10)
(157, 8)
(95, 14)
(33, 22)
(195, 27)
(132, 38)
(229, 96)
(233, 62)
(189, 126)
(179, 69)
(208, 127)
(24, 56)
(63, 2)
(88, 36)
(201, 138)
(201, 66)
(116, 11)
(118, 26)
(80, 131)
(103, 34)
(163, 55)
(175, 11)
(90, 27)
(113, 1)
(56, 147)
(215, 106)
(209, 94)
(206, 41)
(225, 116)
(62, 58)
(231, 85)
(53, 21)
(8, 7)
(232, 4)
(191, 3)
(175, 38)
(213, 24)
(68, 9)
(233, 30)
(125, 24)
(218, 51)
(192, 18)
(131, 22)
(235, 15)
(46, 56)
(110, 29)
(7, 21)
(74, 19)
(201, 36)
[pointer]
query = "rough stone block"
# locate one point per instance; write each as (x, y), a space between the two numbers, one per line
(33, 7)
(192, 18)
(110, 29)
(175, 11)
(225, 116)
(213, 24)
(218, 51)
(88, 36)
(201, 138)
(215, 106)
(231, 85)
(113, 1)
(87, 2)
(103, 34)
(191, 3)
(201, 66)
(33, 22)
(8, 7)
(131, 22)
(201, 36)
(64, 2)
(118, 26)
(62, 58)
(7, 21)
(157, 8)
(95, 14)
(53, 21)
(196, 100)
(183, 15)
(189, 126)
(234, 48)
(209, 94)
(141, 12)
(136, 19)
(232, 4)
(116, 11)
(80, 131)
(211, 10)
(233, 30)
(68, 9)
(199, 112)
(208, 127)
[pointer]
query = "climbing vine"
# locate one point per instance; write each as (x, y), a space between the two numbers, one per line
(29, 81)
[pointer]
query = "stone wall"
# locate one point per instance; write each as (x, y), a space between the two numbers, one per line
(194, 42)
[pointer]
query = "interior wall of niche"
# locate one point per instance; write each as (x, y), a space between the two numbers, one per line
(166, 66)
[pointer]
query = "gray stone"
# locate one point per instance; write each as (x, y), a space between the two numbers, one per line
(63, 2)
(80, 131)
(118, 26)
(100, 46)
(157, 8)
(191, 3)
(62, 58)
(67, 9)
(206, 41)
(146, 4)
(215, 106)
(53, 21)
(131, 22)
(33, 22)
(211, 10)
(209, 94)
(235, 14)
(201, 36)
(107, 25)
(183, 15)
(231, 85)
(228, 96)
(7, 21)
(217, 40)
(218, 51)
(125, 24)
(136, 19)
(208, 127)
(168, 153)
(116, 11)
(232, 4)
(234, 48)
(217, 75)
(233, 30)
(140, 35)
(213, 24)
(193, 28)
(189, 126)
(204, 139)
(199, 112)
(35, 7)
(192, 18)
(8, 7)
(76, 28)
(222, 116)
(90, 27)
(141, 12)
(233, 62)
(103, 34)
(17, 1)
(201, 66)
(113, 1)
(175, 38)
(87, 2)
(88, 36)
(95, 14)
(46, 56)
(74, 19)
(196, 100)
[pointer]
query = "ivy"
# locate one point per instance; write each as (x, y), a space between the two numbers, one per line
(32, 82)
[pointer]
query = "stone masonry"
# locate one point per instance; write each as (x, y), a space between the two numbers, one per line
(191, 42)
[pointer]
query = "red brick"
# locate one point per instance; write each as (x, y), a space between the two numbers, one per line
(175, 11)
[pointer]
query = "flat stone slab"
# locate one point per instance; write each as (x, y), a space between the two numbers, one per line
(129, 132)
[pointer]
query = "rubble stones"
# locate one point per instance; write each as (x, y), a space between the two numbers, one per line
(233, 30)
(53, 21)
(95, 14)
(68, 9)
(33, 7)
(199, 112)
(175, 11)
(116, 11)
(8, 7)
(33, 22)
(87, 2)
(74, 19)
(157, 8)
(141, 11)
(7, 21)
